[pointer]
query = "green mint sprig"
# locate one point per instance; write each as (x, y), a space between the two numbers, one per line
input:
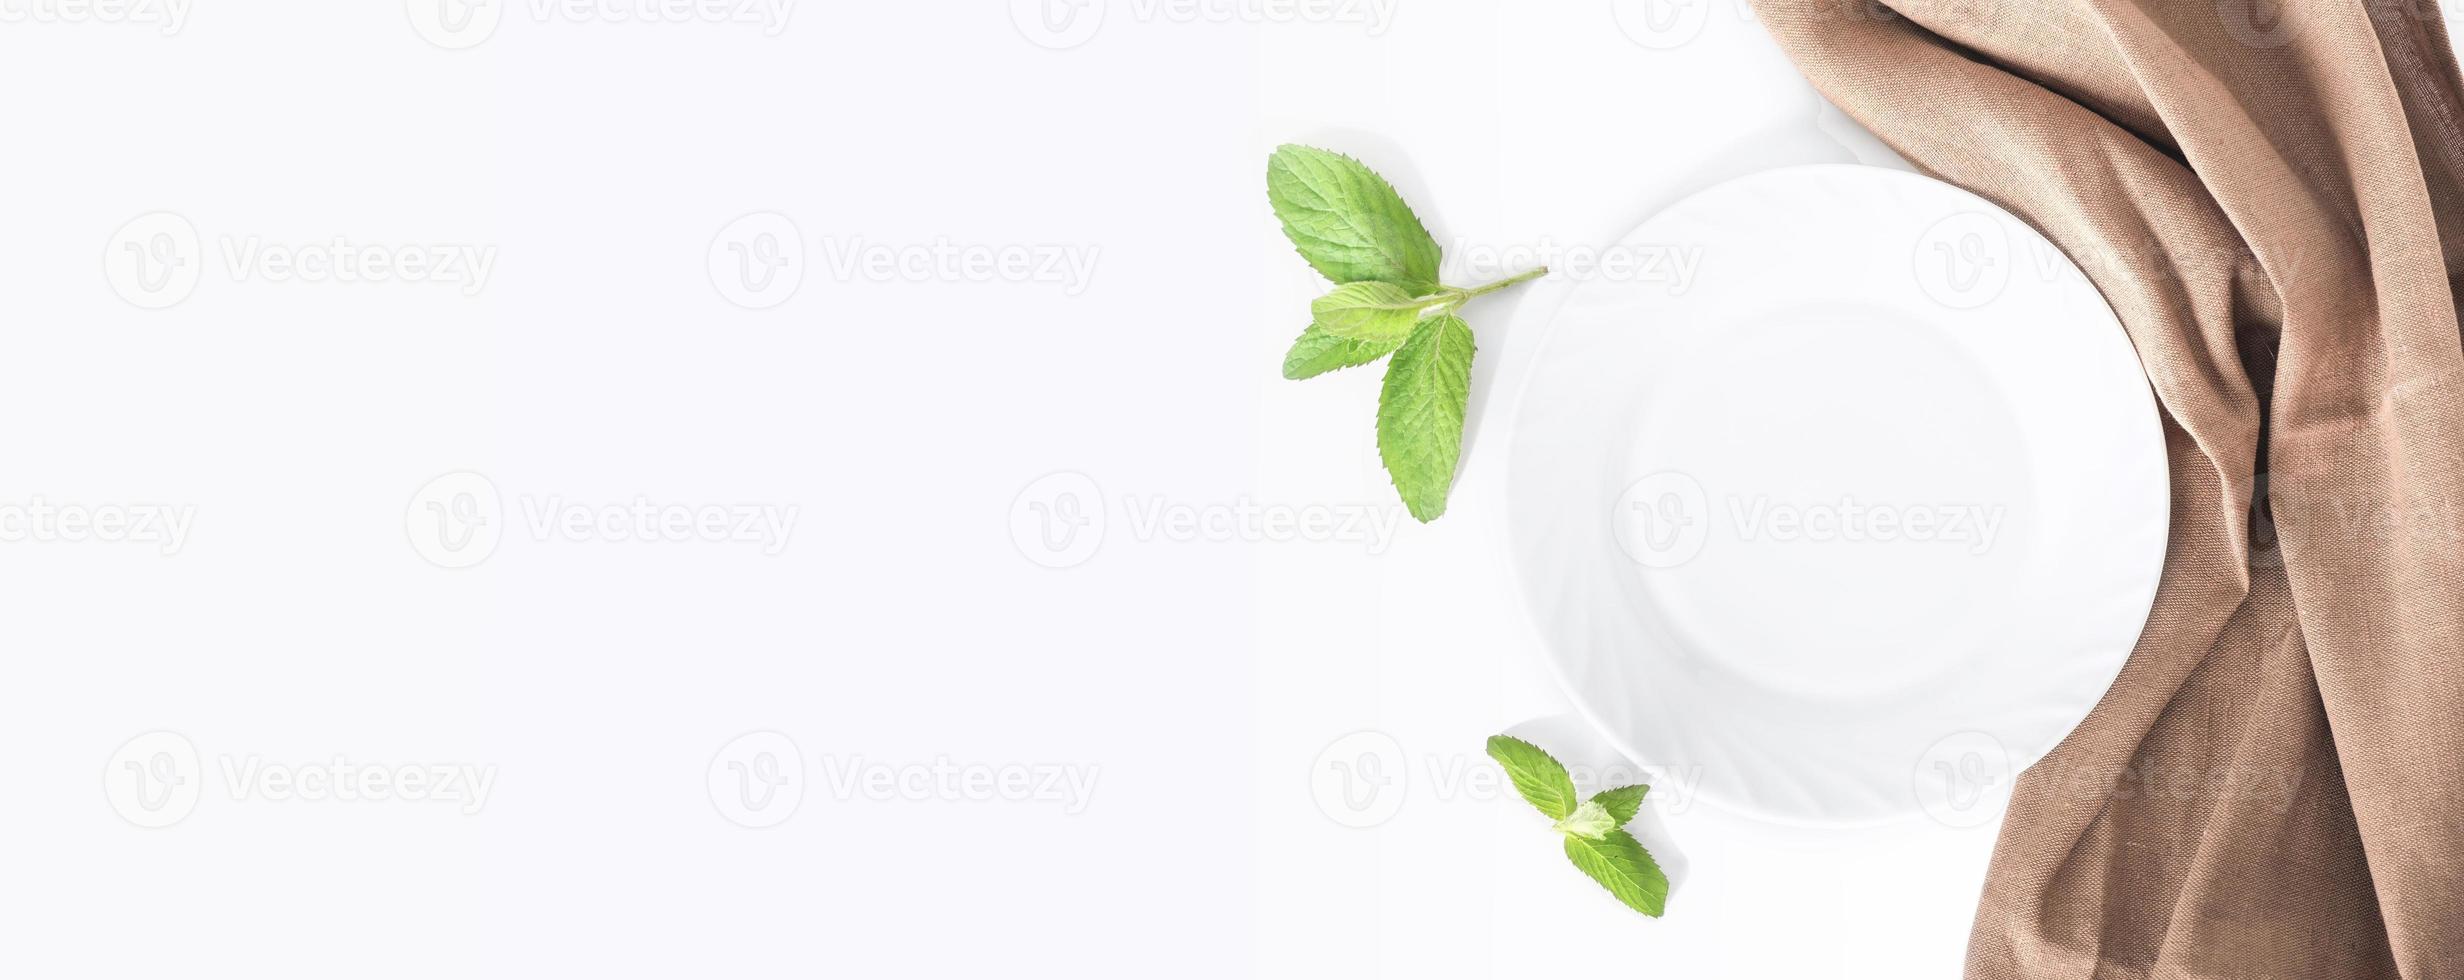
(1596, 838)
(1353, 228)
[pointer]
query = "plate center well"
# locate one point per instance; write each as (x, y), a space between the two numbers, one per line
(1842, 516)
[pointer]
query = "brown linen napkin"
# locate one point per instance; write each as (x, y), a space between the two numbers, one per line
(2267, 193)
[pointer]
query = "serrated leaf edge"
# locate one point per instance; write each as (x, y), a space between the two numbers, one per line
(1568, 797)
(1413, 285)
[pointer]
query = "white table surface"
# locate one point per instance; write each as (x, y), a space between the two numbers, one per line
(1187, 687)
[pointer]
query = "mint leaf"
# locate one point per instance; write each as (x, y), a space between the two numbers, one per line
(1377, 312)
(1623, 802)
(1420, 421)
(1620, 864)
(1353, 228)
(1317, 352)
(1591, 821)
(1596, 839)
(1536, 775)
(1348, 221)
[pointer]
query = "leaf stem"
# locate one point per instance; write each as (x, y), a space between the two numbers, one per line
(1516, 279)
(1452, 298)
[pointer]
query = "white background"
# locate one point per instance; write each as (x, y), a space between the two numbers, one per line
(1188, 688)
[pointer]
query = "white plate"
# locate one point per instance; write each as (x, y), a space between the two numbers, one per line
(1839, 490)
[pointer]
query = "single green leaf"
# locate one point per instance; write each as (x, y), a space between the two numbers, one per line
(1420, 419)
(1620, 864)
(1376, 312)
(1347, 221)
(1623, 802)
(1537, 776)
(1591, 821)
(1317, 352)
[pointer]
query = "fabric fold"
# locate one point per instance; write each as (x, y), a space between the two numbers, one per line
(2267, 194)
